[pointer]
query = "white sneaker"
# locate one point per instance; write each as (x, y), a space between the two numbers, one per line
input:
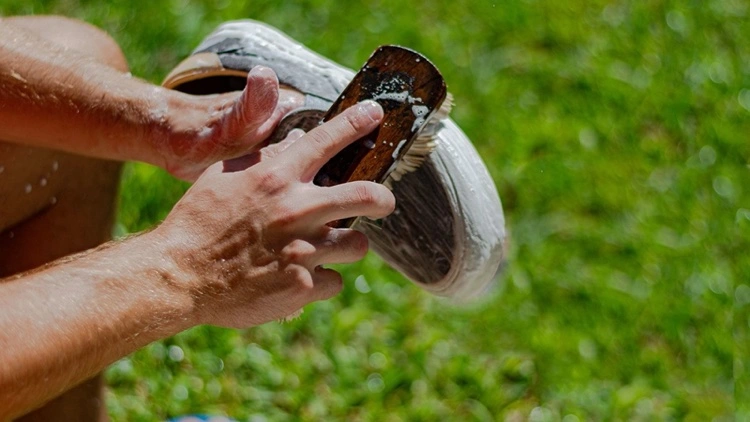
(447, 232)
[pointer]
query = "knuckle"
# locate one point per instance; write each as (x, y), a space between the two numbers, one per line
(375, 196)
(272, 181)
(322, 141)
(336, 285)
(301, 278)
(387, 199)
(297, 251)
(331, 283)
(359, 243)
(354, 122)
(284, 216)
(364, 194)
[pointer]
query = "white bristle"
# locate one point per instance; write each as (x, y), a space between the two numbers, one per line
(423, 145)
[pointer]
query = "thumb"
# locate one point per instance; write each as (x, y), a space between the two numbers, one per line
(256, 104)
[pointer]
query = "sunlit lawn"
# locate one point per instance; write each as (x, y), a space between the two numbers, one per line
(617, 135)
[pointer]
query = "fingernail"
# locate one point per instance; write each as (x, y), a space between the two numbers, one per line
(262, 71)
(372, 109)
(295, 133)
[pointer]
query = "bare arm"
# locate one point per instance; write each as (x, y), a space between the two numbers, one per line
(64, 323)
(244, 246)
(57, 98)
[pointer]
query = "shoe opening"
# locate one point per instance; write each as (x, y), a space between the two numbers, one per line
(213, 85)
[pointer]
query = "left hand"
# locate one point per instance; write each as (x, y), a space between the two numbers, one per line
(204, 130)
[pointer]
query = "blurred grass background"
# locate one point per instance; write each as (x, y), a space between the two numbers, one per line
(617, 135)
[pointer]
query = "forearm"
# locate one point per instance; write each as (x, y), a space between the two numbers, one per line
(57, 98)
(64, 323)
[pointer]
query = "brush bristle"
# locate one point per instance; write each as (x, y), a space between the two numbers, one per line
(291, 317)
(423, 145)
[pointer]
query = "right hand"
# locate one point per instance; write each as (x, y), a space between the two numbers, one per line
(250, 243)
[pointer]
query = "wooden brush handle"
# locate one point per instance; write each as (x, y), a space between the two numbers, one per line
(410, 89)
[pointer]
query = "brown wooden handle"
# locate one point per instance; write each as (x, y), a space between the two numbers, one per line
(409, 88)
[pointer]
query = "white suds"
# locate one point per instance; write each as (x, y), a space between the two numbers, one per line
(159, 109)
(420, 112)
(398, 149)
(17, 76)
(395, 96)
(402, 97)
(205, 132)
(427, 125)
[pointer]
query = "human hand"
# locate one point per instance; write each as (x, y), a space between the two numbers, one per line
(249, 243)
(201, 130)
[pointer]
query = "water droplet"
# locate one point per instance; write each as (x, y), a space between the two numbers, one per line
(723, 186)
(43, 182)
(2, 169)
(375, 383)
(378, 360)
(587, 349)
(53, 200)
(587, 137)
(707, 155)
(741, 295)
(55, 165)
(11, 235)
(360, 283)
(180, 393)
(418, 60)
(27, 188)
(744, 99)
(677, 21)
(176, 353)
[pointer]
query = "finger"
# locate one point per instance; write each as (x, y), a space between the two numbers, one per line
(282, 145)
(340, 246)
(327, 283)
(288, 100)
(213, 169)
(319, 145)
(258, 100)
(241, 163)
(294, 134)
(353, 199)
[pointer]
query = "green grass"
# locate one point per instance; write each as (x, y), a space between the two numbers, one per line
(617, 135)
